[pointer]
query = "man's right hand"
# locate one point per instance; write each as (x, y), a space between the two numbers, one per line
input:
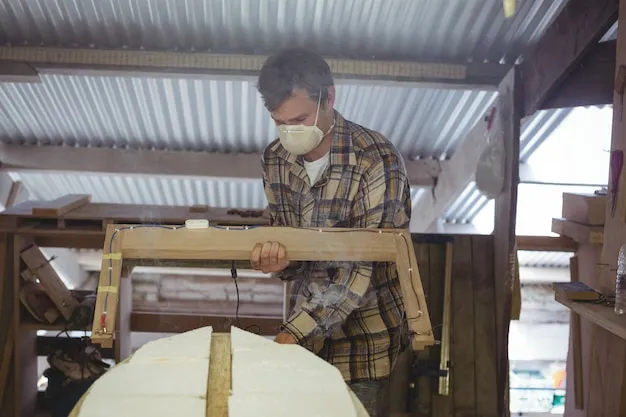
(269, 257)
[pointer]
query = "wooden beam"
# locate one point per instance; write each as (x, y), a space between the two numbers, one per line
(62, 205)
(580, 25)
(73, 60)
(591, 81)
(6, 185)
(17, 158)
(454, 177)
(546, 243)
(17, 72)
(95, 216)
(17, 195)
(509, 117)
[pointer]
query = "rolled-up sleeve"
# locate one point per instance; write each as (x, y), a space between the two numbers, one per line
(380, 204)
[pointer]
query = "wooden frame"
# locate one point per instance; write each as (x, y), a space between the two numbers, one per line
(235, 243)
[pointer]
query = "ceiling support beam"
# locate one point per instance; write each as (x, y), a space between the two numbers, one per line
(17, 158)
(546, 64)
(17, 72)
(201, 64)
(450, 183)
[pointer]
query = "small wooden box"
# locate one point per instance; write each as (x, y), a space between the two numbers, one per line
(584, 208)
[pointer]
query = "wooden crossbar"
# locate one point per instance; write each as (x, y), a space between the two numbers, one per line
(125, 242)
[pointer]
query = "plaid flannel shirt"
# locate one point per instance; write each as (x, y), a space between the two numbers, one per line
(349, 314)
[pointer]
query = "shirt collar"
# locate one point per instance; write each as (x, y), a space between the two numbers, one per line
(341, 149)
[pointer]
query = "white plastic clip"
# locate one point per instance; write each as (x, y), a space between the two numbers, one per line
(196, 224)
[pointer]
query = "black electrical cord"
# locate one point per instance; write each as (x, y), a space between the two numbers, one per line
(233, 273)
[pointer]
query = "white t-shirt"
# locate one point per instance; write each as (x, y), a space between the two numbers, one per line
(315, 168)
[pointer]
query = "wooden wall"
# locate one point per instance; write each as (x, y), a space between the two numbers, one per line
(473, 388)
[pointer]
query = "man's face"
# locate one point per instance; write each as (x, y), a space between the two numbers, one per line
(300, 109)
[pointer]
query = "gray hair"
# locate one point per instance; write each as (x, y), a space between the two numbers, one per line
(291, 69)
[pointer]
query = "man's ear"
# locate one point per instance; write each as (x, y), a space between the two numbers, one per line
(330, 102)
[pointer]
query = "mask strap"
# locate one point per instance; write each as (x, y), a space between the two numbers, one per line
(331, 127)
(319, 102)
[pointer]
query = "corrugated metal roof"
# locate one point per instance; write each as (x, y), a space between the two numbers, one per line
(172, 191)
(446, 30)
(544, 259)
(218, 115)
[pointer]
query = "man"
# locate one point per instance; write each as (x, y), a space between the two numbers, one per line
(325, 171)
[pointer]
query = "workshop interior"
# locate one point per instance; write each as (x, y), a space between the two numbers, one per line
(312, 208)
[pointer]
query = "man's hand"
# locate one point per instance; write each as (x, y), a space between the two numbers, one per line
(285, 339)
(269, 257)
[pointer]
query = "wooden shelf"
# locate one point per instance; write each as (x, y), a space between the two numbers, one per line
(598, 314)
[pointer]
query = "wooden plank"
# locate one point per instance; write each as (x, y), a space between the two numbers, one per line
(138, 162)
(16, 194)
(237, 244)
(122, 344)
(441, 405)
(584, 208)
(578, 232)
(25, 352)
(130, 213)
(598, 314)
(7, 327)
(445, 360)
(546, 243)
(576, 343)
(422, 391)
(17, 72)
(579, 26)
(50, 280)
(509, 116)
(462, 347)
(606, 396)
(370, 71)
(218, 389)
(484, 327)
(61, 206)
(6, 183)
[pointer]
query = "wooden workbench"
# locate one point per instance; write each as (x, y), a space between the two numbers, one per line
(219, 381)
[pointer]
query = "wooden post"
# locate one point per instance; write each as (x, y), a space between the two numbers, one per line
(607, 391)
(26, 374)
(509, 113)
(7, 327)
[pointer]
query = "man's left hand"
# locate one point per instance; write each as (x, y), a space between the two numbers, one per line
(285, 339)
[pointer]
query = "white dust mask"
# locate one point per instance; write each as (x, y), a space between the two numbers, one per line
(302, 139)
